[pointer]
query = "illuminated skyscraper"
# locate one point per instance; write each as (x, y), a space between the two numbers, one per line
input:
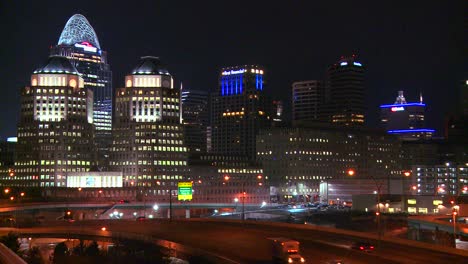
(55, 131)
(148, 142)
(345, 92)
(79, 43)
(405, 119)
(239, 110)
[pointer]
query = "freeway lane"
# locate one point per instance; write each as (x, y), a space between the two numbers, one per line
(247, 243)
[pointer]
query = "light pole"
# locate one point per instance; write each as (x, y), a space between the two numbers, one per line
(454, 220)
(352, 172)
(227, 178)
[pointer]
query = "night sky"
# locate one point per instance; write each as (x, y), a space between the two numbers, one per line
(415, 46)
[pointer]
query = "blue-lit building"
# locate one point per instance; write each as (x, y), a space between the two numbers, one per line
(405, 119)
(79, 43)
(239, 109)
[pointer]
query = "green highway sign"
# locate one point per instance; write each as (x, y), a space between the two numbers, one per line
(185, 191)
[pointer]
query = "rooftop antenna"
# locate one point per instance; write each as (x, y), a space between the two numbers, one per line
(400, 98)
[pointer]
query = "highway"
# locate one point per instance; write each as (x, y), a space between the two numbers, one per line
(246, 242)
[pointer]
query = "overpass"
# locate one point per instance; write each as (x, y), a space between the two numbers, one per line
(245, 242)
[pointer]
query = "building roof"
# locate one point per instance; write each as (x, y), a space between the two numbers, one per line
(150, 65)
(57, 64)
(78, 30)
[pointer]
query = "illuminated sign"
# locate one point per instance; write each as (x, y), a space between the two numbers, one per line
(437, 202)
(400, 105)
(343, 64)
(422, 130)
(357, 64)
(12, 139)
(231, 72)
(411, 201)
(397, 108)
(185, 191)
(86, 46)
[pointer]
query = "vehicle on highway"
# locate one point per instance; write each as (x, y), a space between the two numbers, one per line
(124, 201)
(141, 218)
(285, 250)
(363, 246)
(335, 261)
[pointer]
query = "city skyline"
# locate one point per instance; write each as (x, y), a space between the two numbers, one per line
(416, 49)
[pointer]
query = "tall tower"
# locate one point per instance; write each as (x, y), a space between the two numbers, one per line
(345, 92)
(195, 119)
(55, 131)
(239, 110)
(79, 43)
(307, 101)
(148, 143)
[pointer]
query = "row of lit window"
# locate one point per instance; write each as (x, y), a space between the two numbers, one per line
(305, 177)
(66, 162)
(160, 148)
(327, 153)
(240, 171)
(161, 127)
(163, 162)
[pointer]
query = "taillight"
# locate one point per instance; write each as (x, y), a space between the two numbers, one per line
(361, 248)
(290, 260)
(371, 247)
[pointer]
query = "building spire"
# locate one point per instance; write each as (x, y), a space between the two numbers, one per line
(400, 98)
(420, 97)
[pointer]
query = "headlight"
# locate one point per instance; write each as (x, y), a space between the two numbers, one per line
(302, 260)
(290, 260)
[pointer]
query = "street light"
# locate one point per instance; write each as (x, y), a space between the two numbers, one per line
(351, 172)
(454, 220)
(227, 178)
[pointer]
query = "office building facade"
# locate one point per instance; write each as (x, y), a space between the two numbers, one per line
(448, 179)
(79, 43)
(55, 131)
(308, 101)
(148, 139)
(405, 119)
(195, 118)
(239, 109)
(345, 93)
(297, 160)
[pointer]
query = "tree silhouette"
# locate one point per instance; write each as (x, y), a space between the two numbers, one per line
(92, 250)
(60, 253)
(11, 241)
(34, 256)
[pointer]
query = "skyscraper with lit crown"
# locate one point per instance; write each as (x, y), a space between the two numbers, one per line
(55, 131)
(148, 139)
(239, 109)
(345, 92)
(79, 43)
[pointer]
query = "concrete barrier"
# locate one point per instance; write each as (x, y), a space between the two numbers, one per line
(7, 256)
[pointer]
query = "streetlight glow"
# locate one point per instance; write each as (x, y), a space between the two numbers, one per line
(351, 172)
(155, 207)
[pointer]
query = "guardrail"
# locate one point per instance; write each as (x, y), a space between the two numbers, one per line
(208, 257)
